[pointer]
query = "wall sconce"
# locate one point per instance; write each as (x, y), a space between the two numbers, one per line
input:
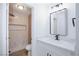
(57, 5)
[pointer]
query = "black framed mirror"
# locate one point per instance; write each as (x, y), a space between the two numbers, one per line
(58, 22)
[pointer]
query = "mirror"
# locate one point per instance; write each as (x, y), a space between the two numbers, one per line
(58, 22)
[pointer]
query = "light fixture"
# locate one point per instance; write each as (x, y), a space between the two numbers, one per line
(20, 7)
(57, 5)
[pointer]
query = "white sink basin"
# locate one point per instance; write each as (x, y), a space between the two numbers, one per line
(66, 44)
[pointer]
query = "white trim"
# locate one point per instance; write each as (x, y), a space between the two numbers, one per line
(4, 28)
(7, 47)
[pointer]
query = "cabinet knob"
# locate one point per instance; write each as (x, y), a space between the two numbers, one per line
(48, 54)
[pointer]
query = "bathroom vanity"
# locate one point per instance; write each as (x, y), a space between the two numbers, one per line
(50, 47)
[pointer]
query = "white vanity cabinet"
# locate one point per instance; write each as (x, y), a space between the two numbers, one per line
(45, 49)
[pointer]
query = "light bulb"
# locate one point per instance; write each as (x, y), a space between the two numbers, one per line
(20, 7)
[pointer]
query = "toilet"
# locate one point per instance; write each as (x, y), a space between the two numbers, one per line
(28, 48)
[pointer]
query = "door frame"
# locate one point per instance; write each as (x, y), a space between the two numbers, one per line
(7, 30)
(7, 25)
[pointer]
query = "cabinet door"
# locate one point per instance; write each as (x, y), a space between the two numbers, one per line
(58, 51)
(44, 49)
(41, 50)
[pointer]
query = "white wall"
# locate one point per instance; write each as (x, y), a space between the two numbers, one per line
(3, 29)
(40, 21)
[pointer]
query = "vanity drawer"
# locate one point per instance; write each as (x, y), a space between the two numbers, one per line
(58, 51)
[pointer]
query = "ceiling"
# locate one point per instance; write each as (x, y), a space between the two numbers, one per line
(18, 12)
